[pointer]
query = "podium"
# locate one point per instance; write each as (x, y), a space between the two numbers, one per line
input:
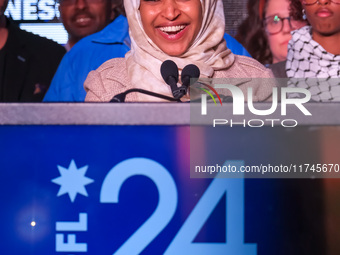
(92, 178)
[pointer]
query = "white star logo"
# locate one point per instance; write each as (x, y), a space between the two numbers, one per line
(72, 181)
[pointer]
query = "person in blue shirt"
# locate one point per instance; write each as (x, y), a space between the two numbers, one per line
(87, 55)
(86, 17)
(91, 52)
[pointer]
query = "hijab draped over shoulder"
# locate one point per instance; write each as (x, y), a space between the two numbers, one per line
(208, 51)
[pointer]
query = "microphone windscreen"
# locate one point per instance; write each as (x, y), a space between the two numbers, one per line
(191, 70)
(169, 69)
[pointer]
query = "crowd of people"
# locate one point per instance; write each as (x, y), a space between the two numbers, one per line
(114, 50)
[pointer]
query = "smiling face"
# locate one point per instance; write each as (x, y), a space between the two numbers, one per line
(278, 42)
(82, 17)
(171, 24)
(324, 17)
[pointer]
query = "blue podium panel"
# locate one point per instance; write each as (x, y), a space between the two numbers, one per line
(98, 179)
(113, 190)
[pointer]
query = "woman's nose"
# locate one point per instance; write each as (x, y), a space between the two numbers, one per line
(170, 9)
(287, 28)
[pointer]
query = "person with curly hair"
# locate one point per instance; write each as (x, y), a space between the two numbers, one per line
(266, 31)
(314, 51)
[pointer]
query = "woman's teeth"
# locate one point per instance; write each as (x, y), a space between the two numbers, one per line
(172, 29)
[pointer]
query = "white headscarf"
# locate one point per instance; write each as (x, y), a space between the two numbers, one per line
(208, 51)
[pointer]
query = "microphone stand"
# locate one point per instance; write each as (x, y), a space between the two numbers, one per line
(120, 98)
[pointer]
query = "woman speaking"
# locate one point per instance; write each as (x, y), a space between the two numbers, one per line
(186, 32)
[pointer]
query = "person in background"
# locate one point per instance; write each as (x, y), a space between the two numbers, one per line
(186, 32)
(314, 51)
(27, 62)
(87, 55)
(85, 17)
(300, 212)
(265, 33)
(91, 52)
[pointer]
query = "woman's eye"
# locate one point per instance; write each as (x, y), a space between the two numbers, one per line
(276, 20)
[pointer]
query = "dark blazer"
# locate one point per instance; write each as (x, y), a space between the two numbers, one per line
(30, 64)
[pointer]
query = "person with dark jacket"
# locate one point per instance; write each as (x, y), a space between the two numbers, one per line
(27, 62)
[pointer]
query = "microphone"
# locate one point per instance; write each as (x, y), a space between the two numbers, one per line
(169, 72)
(189, 72)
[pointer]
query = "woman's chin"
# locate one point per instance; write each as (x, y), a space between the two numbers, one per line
(175, 52)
